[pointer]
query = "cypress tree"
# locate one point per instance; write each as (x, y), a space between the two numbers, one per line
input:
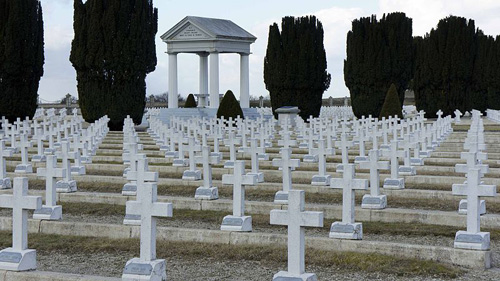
(391, 106)
(112, 52)
(21, 57)
(379, 53)
(229, 107)
(190, 101)
(295, 65)
(493, 75)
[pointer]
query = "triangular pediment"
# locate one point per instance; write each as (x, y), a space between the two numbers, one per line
(190, 32)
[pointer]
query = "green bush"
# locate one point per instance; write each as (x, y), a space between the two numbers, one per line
(391, 106)
(229, 107)
(190, 102)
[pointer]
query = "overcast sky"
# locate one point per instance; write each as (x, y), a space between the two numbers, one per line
(255, 16)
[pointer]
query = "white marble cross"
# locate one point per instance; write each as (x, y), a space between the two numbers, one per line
(361, 140)
(254, 152)
(322, 178)
(50, 210)
(231, 141)
(286, 164)
(20, 203)
(4, 152)
(439, 114)
(472, 162)
(286, 142)
(374, 200)
(66, 184)
(348, 229)
(192, 173)
(296, 219)
(39, 137)
(473, 238)
(394, 182)
(238, 221)
(25, 167)
(457, 115)
(207, 161)
(344, 145)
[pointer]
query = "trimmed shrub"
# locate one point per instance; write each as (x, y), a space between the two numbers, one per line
(391, 106)
(190, 102)
(229, 107)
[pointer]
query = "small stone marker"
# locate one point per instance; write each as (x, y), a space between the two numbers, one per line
(50, 211)
(147, 267)
(458, 114)
(473, 238)
(348, 229)
(254, 152)
(296, 219)
(66, 185)
(192, 174)
(286, 165)
(394, 182)
(322, 178)
(19, 257)
(207, 191)
(238, 221)
(374, 200)
(25, 167)
(5, 182)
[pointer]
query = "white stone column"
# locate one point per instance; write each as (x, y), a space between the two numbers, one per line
(214, 80)
(244, 81)
(203, 77)
(172, 81)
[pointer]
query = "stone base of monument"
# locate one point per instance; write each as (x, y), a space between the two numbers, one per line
(24, 169)
(281, 197)
(374, 202)
(15, 260)
(407, 171)
(416, 161)
(304, 145)
(340, 230)
(38, 158)
(229, 164)
(78, 170)
(359, 159)
(216, 154)
(129, 189)
(425, 154)
(286, 276)
(394, 183)
(86, 160)
(66, 186)
(163, 147)
(321, 180)
(462, 207)
(136, 269)
(132, 219)
(233, 223)
(385, 147)
(5, 183)
(49, 151)
(171, 154)
(191, 175)
(125, 171)
(259, 176)
(472, 241)
(48, 213)
(13, 149)
(180, 163)
(263, 157)
(207, 193)
(310, 158)
(340, 168)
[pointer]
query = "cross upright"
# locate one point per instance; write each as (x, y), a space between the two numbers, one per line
(50, 210)
(5, 182)
(394, 182)
(254, 152)
(286, 164)
(238, 221)
(407, 168)
(148, 209)
(207, 191)
(348, 229)
(322, 178)
(192, 173)
(20, 203)
(25, 167)
(374, 200)
(344, 145)
(439, 114)
(472, 162)
(231, 141)
(296, 219)
(473, 238)
(180, 161)
(286, 142)
(66, 155)
(39, 137)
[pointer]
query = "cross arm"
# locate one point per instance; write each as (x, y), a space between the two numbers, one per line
(227, 179)
(277, 162)
(32, 202)
(6, 201)
(279, 217)
(162, 209)
(311, 219)
(249, 179)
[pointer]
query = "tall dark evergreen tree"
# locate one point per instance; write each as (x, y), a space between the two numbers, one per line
(112, 52)
(295, 65)
(379, 53)
(21, 57)
(493, 75)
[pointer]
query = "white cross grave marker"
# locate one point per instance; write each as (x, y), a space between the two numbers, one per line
(238, 221)
(394, 181)
(66, 185)
(472, 163)
(374, 200)
(344, 146)
(19, 257)
(473, 238)
(207, 191)
(25, 167)
(254, 152)
(348, 229)
(322, 178)
(231, 141)
(296, 219)
(39, 137)
(5, 182)
(130, 157)
(192, 174)
(287, 165)
(50, 210)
